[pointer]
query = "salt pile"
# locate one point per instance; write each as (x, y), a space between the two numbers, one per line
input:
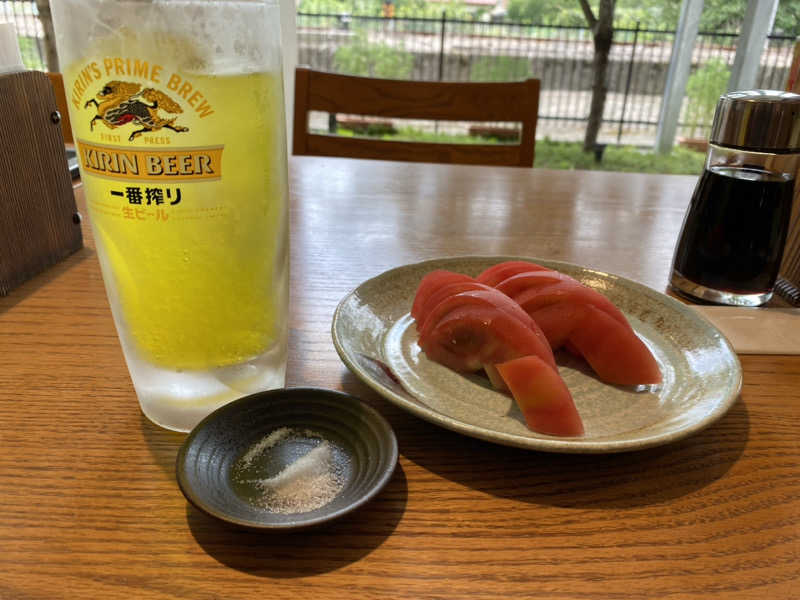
(308, 483)
(265, 444)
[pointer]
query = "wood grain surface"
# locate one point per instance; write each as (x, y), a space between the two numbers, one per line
(89, 505)
(514, 102)
(37, 208)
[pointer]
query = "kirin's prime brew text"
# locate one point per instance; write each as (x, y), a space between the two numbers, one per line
(178, 119)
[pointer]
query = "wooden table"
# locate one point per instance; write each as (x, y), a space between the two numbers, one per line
(89, 505)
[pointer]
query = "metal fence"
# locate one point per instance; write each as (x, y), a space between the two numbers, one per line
(561, 57)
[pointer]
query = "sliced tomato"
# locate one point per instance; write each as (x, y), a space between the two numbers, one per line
(490, 299)
(559, 321)
(587, 323)
(470, 336)
(535, 290)
(432, 282)
(615, 352)
(542, 396)
(497, 273)
(444, 292)
(520, 282)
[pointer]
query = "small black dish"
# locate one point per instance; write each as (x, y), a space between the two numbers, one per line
(216, 476)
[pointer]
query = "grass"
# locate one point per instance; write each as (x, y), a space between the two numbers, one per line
(30, 53)
(570, 155)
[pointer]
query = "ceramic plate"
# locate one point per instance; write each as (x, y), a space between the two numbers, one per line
(376, 338)
(226, 459)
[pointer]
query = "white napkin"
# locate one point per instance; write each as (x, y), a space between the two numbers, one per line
(757, 330)
(10, 58)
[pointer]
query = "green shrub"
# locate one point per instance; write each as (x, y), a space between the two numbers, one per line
(30, 53)
(570, 155)
(500, 68)
(371, 59)
(703, 89)
(417, 9)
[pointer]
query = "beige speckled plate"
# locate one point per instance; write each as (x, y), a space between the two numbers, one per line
(376, 339)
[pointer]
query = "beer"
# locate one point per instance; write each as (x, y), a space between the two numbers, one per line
(183, 160)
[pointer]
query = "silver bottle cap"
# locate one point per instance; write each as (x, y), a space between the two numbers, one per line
(758, 120)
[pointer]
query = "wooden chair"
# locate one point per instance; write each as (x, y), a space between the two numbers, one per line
(441, 101)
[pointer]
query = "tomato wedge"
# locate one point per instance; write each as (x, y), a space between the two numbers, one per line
(615, 353)
(542, 396)
(444, 292)
(470, 336)
(519, 282)
(489, 299)
(431, 283)
(497, 273)
(559, 321)
(584, 321)
(533, 290)
(467, 326)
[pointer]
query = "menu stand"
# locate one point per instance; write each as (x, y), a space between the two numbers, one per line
(39, 221)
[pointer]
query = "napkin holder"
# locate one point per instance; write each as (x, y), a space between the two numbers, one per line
(39, 221)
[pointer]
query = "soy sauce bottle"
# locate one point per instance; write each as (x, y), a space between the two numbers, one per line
(731, 244)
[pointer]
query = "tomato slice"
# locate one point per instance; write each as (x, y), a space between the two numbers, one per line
(519, 282)
(559, 321)
(467, 325)
(497, 273)
(535, 290)
(489, 299)
(542, 396)
(432, 282)
(445, 291)
(615, 353)
(587, 323)
(470, 336)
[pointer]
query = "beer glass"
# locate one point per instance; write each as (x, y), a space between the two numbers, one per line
(178, 119)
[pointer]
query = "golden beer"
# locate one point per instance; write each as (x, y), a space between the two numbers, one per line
(184, 166)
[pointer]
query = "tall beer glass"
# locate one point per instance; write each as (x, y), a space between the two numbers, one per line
(177, 113)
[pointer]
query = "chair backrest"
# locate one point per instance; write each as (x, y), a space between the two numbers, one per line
(432, 100)
(61, 102)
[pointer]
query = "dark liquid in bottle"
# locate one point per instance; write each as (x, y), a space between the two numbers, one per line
(733, 234)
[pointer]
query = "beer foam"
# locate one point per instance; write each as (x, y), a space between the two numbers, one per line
(189, 36)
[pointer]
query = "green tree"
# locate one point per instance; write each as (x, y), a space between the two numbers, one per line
(49, 40)
(602, 27)
(500, 68)
(371, 59)
(718, 15)
(532, 11)
(420, 9)
(787, 19)
(455, 9)
(703, 90)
